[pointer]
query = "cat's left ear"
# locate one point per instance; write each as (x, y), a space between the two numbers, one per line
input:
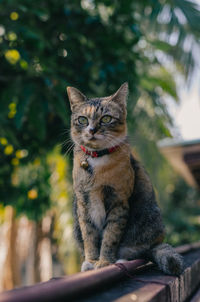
(121, 95)
(75, 97)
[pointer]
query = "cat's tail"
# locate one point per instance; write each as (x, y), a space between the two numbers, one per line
(167, 259)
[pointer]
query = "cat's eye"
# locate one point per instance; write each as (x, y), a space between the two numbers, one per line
(106, 119)
(83, 120)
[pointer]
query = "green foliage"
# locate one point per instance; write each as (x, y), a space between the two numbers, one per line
(94, 45)
(8, 159)
(32, 189)
(182, 213)
(25, 186)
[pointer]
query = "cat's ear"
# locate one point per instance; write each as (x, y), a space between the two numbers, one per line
(121, 95)
(75, 97)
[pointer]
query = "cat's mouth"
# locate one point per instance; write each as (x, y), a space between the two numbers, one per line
(92, 138)
(93, 141)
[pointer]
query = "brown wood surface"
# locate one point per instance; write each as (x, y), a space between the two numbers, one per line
(70, 287)
(188, 247)
(196, 296)
(133, 282)
(177, 289)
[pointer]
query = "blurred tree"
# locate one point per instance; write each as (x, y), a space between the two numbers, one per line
(94, 45)
(182, 213)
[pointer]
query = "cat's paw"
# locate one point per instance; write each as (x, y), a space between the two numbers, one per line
(101, 263)
(121, 261)
(87, 266)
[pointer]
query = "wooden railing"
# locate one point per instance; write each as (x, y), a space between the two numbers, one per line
(133, 281)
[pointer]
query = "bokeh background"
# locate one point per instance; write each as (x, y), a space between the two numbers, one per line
(94, 45)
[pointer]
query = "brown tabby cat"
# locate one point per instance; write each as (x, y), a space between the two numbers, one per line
(115, 212)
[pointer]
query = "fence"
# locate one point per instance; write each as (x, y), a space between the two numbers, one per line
(133, 281)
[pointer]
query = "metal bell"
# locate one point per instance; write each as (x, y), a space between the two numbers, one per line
(84, 164)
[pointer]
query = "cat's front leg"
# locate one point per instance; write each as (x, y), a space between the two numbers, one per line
(113, 231)
(90, 236)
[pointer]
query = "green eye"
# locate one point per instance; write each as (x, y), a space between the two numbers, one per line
(83, 120)
(106, 119)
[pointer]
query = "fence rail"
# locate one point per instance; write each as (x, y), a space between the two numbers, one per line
(133, 281)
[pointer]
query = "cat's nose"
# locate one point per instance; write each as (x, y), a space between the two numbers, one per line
(92, 130)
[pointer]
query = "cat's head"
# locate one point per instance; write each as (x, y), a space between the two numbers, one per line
(98, 123)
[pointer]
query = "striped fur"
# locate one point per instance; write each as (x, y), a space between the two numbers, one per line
(115, 211)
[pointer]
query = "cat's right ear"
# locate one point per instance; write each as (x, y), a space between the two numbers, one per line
(75, 97)
(121, 95)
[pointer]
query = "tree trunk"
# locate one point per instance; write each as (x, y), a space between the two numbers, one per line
(45, 251)
(11, 276)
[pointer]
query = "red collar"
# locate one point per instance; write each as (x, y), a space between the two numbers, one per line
(100, 152)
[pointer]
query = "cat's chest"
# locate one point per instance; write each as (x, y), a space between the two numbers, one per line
(97, 212)
(98, 162)
(112, 170)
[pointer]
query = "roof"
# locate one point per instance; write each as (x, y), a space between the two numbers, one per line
(184, 156)
(171, 142)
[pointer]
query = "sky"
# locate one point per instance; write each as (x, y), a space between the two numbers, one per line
(187, 113)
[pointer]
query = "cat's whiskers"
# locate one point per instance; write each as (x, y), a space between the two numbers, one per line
(66, 142)
(67, 130)
(114, 141)
(69, 149)
(132, 140)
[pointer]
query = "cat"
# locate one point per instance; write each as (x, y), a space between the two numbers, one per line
(116, 216)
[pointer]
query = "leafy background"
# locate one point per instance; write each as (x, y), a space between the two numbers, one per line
(95, 46)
